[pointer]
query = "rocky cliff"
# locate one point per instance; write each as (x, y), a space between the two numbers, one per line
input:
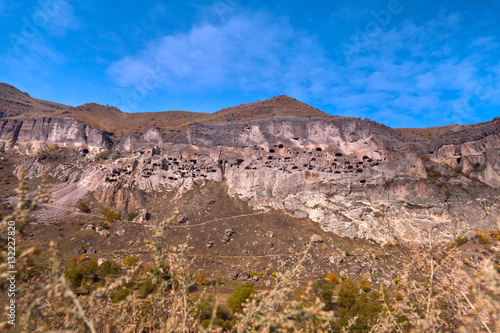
(28, 136)
(354, 177)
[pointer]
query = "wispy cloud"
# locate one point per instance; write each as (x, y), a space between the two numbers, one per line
(419, 71)
(246, 52)
(57, 17)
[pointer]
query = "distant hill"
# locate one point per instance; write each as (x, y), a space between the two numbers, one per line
(14, 103)
(17, 104)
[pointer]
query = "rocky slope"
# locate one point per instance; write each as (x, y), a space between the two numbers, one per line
(354, 177)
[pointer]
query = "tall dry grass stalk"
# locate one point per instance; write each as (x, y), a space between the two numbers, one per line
(436, 293)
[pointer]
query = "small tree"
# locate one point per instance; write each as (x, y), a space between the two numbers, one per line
(324, 290)
(348, 292)
(130, 261)
(240, 295)
(83, 207)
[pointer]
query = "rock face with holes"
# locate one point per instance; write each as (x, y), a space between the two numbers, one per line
(354, 177)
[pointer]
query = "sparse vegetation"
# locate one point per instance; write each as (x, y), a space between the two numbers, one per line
(83, 207)
(240, 295)
(461, 240)
(130, 261)
(482, 237)
(132, 216)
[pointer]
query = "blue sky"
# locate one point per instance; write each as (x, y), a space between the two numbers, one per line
(400, 62)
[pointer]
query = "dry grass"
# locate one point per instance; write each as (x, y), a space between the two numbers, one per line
(435, 293)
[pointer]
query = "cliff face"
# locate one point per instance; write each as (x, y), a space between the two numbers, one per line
(28, 135)
(356, 178)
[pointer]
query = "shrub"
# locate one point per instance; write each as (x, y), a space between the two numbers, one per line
(119, 295)
(109, 268)
(104, 211)
(495, 234)
(130, 261)
(348, 292)
(74, 277)
(146, 288)
(461, 240)
(361, 316)
(365, 285)
(103, 155)
(482, 237)
(332, 278)
(88, 267)
(132, 216)
(83, 207)
(111, 216)
(397, 280)
(377, 256)
(205, 311)
(104, 225)
(323, 289)
(240, 295)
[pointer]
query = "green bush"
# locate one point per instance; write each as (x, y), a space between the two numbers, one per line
(74, 277)
(461, 240)
(88, 267)
(240, 295)
(104, 211)
(104, 225)
(132, 216)
(104, 155)
(323, 289)
(119, 295)
(365, 285)
(348, 292)
(146, 288)
(130, 261)
(205, 310)
(109, 268)
(83, 207)
(366, 308)
(111, 216)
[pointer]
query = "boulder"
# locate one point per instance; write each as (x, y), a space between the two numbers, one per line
(244, 276)
(181, 219)
(316, 239)
(104, 232)
(80, 250)
(143, 216)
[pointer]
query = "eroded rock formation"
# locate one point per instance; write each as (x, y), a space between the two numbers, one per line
(356, 178)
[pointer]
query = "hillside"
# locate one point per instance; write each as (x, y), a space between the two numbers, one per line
(15, 103)
(19, 105)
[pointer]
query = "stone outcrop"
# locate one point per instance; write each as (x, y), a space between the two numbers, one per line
(28, 136)
(354, 177)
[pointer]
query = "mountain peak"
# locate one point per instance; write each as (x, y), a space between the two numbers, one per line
(281, 105)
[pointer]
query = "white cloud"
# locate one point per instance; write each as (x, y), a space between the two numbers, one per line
(55, 16)
(252, 52)
(417, 71)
